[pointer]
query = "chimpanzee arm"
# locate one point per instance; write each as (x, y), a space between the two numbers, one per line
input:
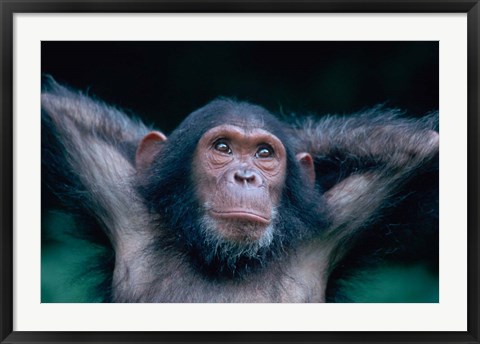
(363, 161)
(88, 153)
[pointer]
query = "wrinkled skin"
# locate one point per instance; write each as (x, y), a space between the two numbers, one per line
(240, 174)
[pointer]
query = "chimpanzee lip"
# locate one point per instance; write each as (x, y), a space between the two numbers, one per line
(241, 215)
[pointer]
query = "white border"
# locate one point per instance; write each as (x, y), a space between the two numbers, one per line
(449, 315)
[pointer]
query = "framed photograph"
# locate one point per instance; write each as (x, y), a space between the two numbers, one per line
(244, 172)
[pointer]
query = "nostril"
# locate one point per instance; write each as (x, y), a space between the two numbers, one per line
(245, 176)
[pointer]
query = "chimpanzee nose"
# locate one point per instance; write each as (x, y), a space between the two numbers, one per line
(246, 176)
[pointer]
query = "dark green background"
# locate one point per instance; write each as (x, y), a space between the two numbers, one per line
(162, 82)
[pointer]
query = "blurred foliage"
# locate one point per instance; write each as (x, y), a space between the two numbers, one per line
(392, 283)
(162, 82)
(69, 264)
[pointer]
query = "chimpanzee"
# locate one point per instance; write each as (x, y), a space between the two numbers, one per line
(236, 205)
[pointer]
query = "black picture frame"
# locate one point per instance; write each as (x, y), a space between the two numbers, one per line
(9, 7)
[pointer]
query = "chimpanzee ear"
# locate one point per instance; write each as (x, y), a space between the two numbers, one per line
(147, 149)
(306, 163)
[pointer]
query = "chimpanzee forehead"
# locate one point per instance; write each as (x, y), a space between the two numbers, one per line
(247, 122)
(229, 112)
(244, 132)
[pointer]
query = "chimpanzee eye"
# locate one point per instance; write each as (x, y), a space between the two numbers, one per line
(264, 151)
(221, 146)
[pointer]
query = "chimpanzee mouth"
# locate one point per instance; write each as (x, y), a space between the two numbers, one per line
(241, 215)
